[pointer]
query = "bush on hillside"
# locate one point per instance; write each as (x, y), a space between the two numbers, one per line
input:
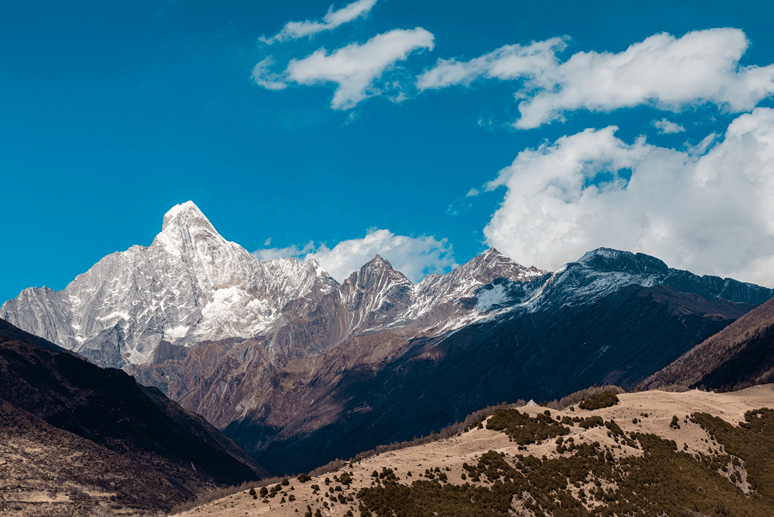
(599, 401)
(524, 429)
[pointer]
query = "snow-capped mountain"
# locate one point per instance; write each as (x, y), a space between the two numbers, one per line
(603, 271)
(191, 285)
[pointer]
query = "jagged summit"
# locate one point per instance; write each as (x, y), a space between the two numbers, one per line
(379, 260)
(186, 215)
(493, 253)
(376, 274)
(186, 230)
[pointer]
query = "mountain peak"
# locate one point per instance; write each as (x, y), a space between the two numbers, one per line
(608, 260)
(603, 253)
(492, 255)
(375, 274)
(379, 260)
(492, 264)
(186, 215)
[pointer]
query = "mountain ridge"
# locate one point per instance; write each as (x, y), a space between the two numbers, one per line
(191, 285)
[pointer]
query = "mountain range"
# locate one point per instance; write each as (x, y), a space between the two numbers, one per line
(299, 369)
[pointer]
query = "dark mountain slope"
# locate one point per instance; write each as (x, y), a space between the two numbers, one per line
(9, 332)
(740, 355)
(48, 471)
(109, 409)
(346, 402)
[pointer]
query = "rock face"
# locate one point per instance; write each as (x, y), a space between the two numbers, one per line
(283, 357)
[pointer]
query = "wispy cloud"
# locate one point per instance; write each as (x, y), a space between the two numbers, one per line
(264, 77)
(355, 68)
(290, 251)
(331, 20)
(505, 63)
(710, 213)
(662, 71)
(415, 257)
(666, 127)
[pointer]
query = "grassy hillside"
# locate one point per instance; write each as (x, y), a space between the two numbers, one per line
(647, 454)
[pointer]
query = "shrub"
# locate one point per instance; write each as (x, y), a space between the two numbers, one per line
(524, 429)
(675, 423)
(592, 421)
(599, 401)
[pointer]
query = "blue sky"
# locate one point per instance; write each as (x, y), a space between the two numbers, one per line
(425, 131)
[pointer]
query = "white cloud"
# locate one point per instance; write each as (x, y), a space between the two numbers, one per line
(505, 63)
(666, 127)
(263, 77)
(709, 213)
(331, 20)
(290, 251)
(356, 67)
(415, 257)
(662, 71)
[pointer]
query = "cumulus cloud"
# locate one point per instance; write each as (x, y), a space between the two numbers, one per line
(666, 127)
(709, 213)
(415, 257)
(662, 71)
(354, 68)
(331, 20)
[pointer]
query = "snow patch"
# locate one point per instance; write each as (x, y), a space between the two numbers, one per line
(114, 315)
(136, 357)
(176, 333)
(600, 252)
(488, 298)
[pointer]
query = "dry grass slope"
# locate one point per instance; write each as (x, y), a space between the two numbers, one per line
(651, 454)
